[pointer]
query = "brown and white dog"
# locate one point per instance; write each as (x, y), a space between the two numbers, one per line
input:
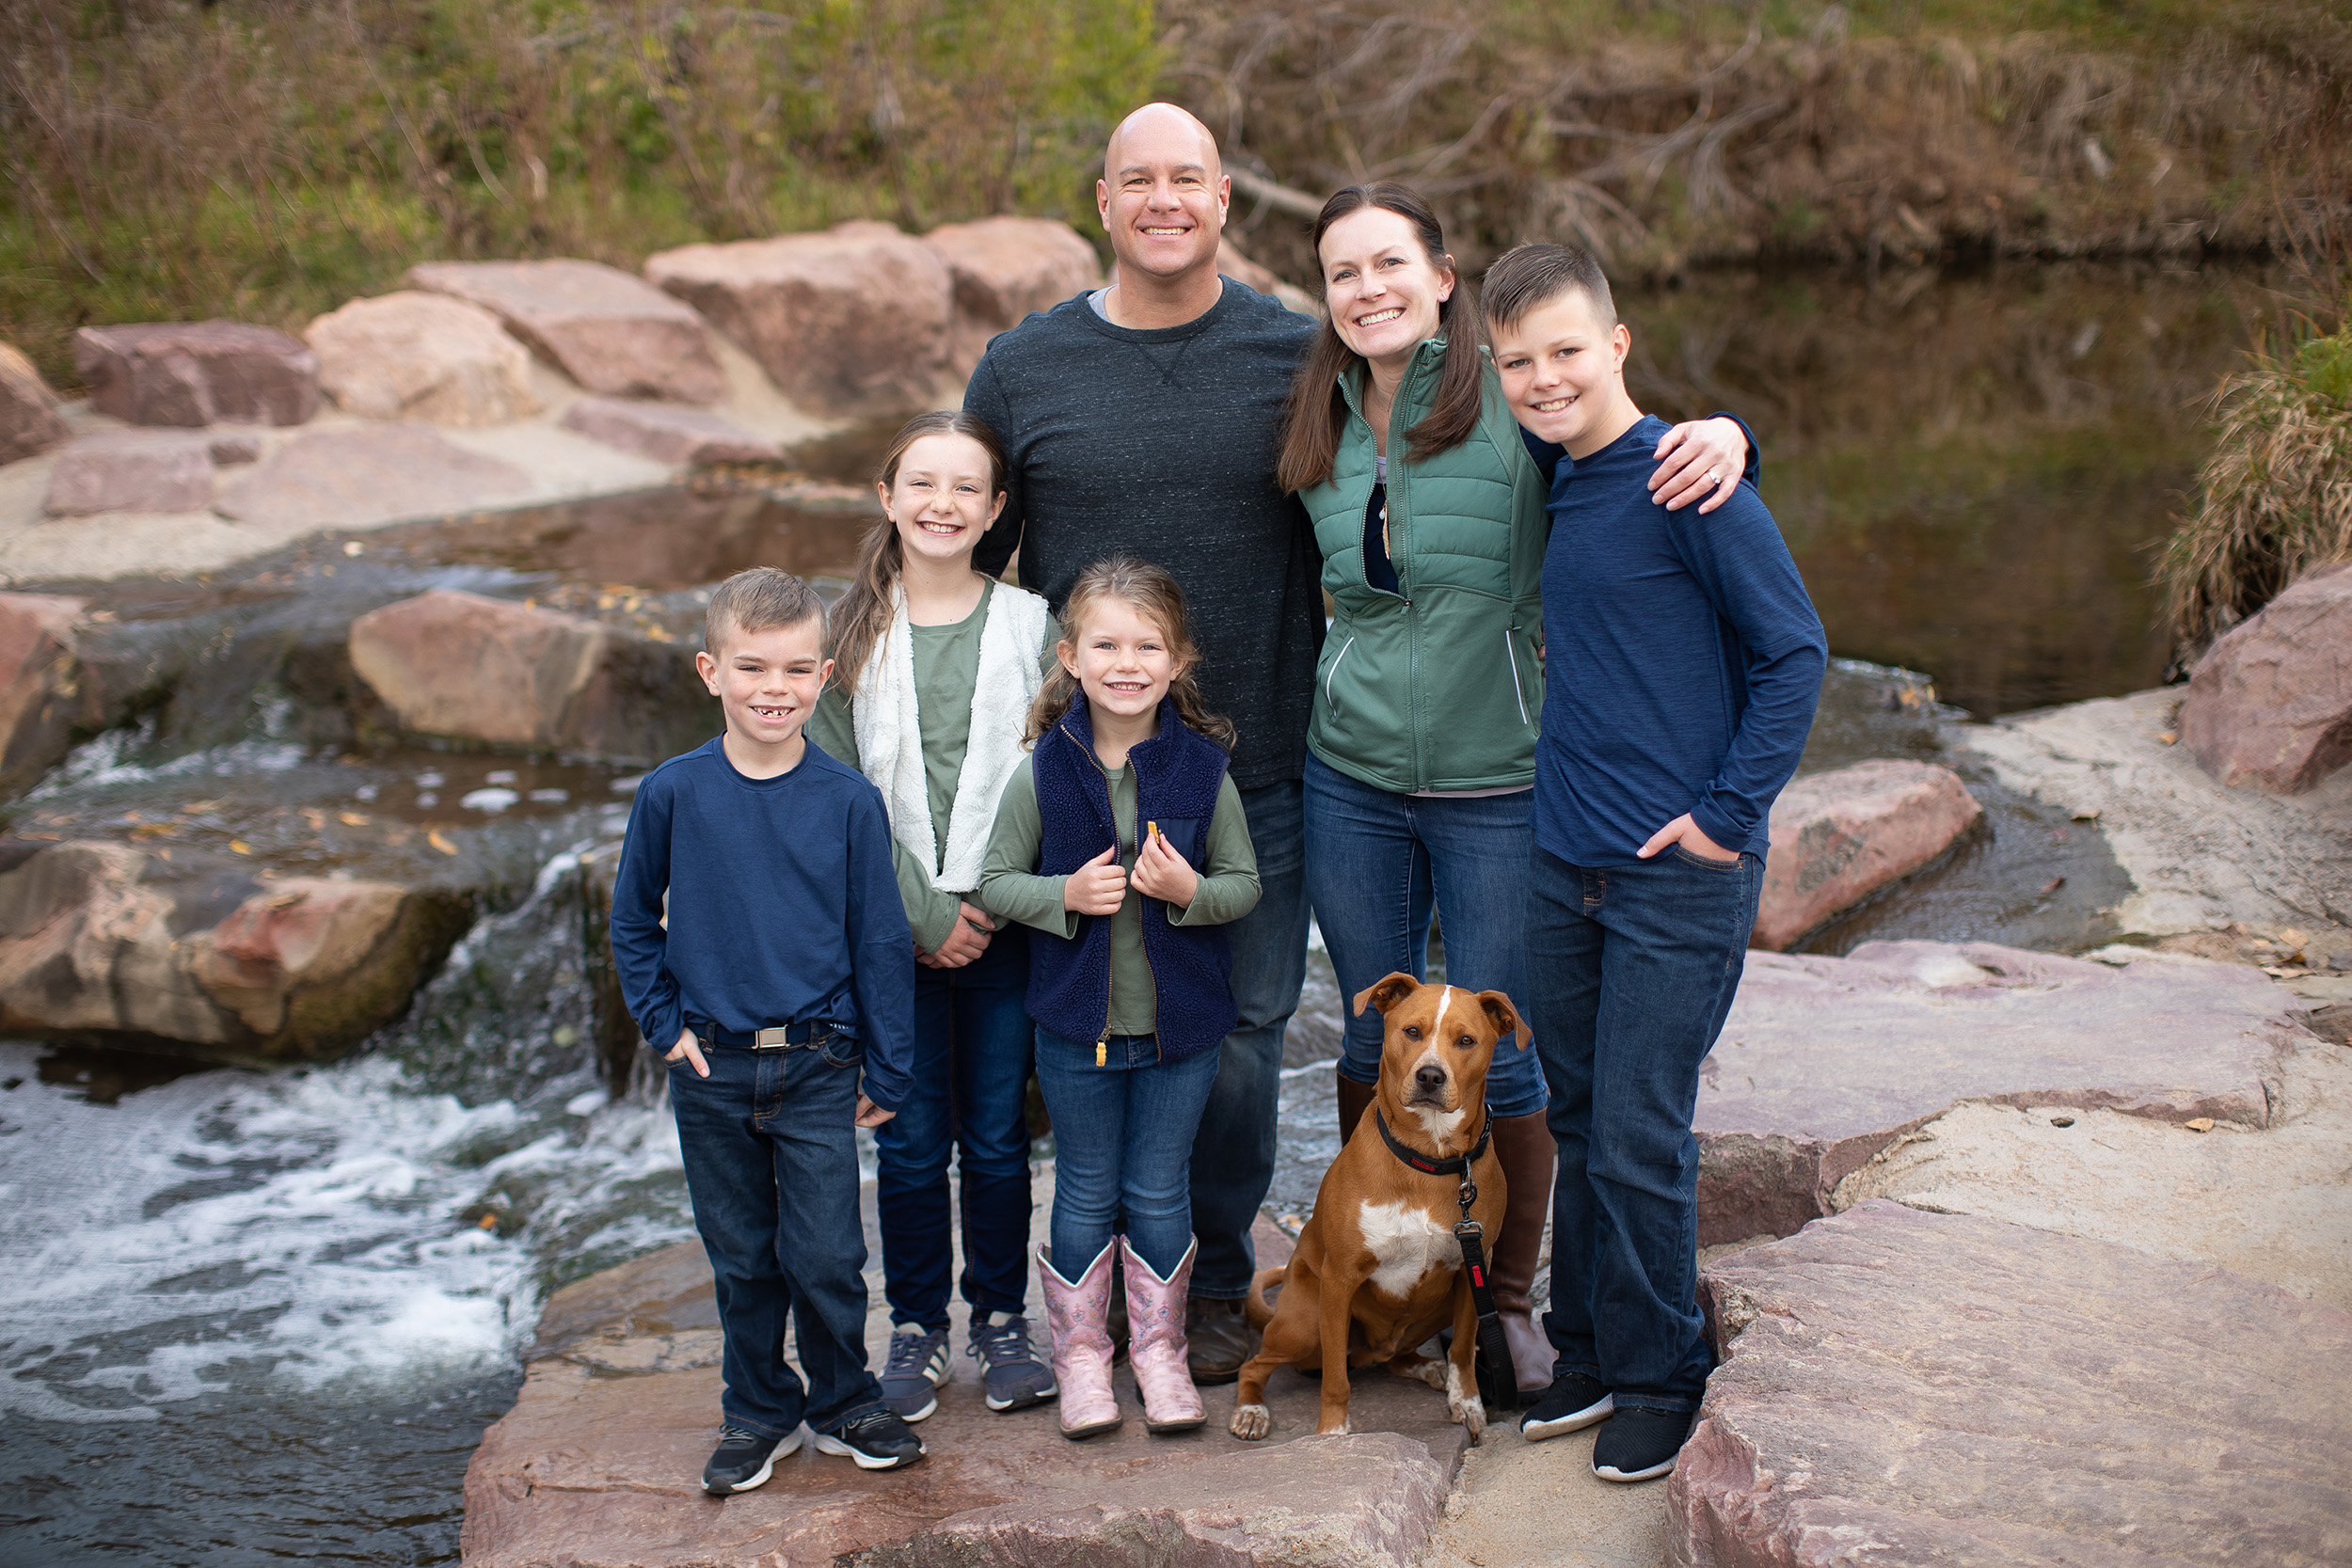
(1378, 1270)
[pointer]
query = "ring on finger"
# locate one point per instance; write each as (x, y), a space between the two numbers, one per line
(1713, 478)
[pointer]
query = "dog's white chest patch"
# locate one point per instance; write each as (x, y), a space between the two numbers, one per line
(1405, 1243)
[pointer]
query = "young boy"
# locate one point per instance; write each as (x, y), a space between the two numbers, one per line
(786, 960)
(1684, 661)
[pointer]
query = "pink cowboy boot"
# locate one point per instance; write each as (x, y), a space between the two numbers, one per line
(1155, 1343)
(1082, 1344)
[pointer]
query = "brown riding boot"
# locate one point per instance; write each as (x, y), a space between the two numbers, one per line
(1529, 1156)
(1355, 1100)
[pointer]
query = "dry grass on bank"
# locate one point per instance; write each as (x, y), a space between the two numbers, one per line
(2275, 499)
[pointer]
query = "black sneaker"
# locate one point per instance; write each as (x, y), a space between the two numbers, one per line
(1573, 1402)
(917, 1367)
(1010, 1374)
(874, 1438)
(744, 1459)
(1640, 1444)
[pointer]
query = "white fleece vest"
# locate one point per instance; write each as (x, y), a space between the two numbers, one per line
(890, 732)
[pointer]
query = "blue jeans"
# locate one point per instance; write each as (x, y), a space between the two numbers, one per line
(971, 1070)
(1633, 968)
(772, 1166)
(1233, 1154)
(1123, 1140)
(1377, 863)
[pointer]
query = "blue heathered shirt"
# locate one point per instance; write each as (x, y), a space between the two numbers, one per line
(1682, 660)
(784, 909)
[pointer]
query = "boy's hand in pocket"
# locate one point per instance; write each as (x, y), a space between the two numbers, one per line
(1163, 873)
(689, 1048)
(871, 1115)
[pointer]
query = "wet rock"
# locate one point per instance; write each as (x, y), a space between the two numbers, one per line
(198, 373)
(853, 321)
(414, 356)
(103, 942)
(608, 330)
(44, 692)
(667, 433)
(1839, 836)
(29, 422)
(132, 470)
(461, 667)
(358, 477)
(1003, 269)
(1824, 1062)
(2270, 703)
(1906, 1388)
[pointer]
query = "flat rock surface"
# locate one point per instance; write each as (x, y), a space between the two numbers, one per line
(197, 372)
(1841, 835)
(611, 331)
(1825, 1061)
(132, 470)
(1903, 1387)
(598, 1462)
(362, 474)
(667, 433)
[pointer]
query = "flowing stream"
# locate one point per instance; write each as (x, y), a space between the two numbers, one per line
(258, 1315)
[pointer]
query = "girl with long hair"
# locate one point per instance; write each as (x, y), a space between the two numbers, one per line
(1121, 842)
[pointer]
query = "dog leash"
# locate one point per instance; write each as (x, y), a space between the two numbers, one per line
(1498, 1379)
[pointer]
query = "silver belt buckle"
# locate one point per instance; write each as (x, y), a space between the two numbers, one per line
(771, 1040)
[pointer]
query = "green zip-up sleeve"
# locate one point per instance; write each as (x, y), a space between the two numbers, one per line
(930, 913)
(1229, 888)
(1008, 886)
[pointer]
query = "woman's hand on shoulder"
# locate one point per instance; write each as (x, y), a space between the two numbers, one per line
(1700, 461)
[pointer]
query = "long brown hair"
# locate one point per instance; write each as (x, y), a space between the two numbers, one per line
(1318, 410)
(861, 615)
(1155, 596)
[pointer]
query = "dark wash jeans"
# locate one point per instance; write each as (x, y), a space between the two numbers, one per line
(1233, 1155)
(771, 1164)
(1632, 969)
(973, 1042)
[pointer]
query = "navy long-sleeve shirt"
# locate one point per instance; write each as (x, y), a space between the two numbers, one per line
(1683, 660)
(784, 909)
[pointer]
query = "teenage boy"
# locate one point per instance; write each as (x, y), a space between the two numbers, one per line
(786, 960)
(1684, 661)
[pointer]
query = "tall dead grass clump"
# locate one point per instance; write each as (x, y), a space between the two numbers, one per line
(2275, 498)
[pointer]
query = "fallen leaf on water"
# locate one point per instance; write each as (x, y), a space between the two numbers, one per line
(2292, 939)
(239, 846)
(352, 818)
(2199, 1124)
(194, 806)
(2167, 736)
(488, 1222)
(2052, 886)
(433, 836)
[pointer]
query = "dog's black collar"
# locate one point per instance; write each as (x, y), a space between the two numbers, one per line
(1451, 1165)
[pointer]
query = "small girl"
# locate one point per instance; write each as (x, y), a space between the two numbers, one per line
(1121, 841)
(938, 665)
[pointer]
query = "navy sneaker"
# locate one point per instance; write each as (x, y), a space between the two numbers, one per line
(745, 1459)
(1571, 1403)
(1640, 1445)
(874, 1438)
(916, 1370)
(1010, 1374)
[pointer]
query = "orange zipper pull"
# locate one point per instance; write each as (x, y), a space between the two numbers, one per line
(1102, 1050)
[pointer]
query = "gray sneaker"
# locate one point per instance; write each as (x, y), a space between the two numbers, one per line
(916, 1368)
(1010, 1374)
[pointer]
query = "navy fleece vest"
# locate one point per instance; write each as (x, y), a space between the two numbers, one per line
(1177, 775)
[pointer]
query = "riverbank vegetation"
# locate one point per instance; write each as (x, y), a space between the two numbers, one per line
(268, 159)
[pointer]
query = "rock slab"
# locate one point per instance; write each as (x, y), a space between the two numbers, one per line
(101, 941)
(462, 666)
(2270, 703)
(414, 356)
(667, 433)
(29, 420)
(853, 321)
(1004, 268)
(359, 476)
(44, 692)
(132, 470)
(1840, 836)
(611, 331)
(1824, 1061)
(197, 373)
(1903, 1387)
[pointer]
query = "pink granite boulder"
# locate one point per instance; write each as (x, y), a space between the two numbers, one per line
(132, 470)
(1839, 836)
(44, 691)
(197, 373)
(1902, 1387)
(1004, 269)
(414, 355)
(853, 321)
(667, 433)
(358, 476)
(29, 422)
(1825, 1061)
(2270, 703)
(611, 331)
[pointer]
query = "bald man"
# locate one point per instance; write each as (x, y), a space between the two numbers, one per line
(1142, 419)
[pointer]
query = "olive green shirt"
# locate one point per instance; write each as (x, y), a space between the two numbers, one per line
(1228, 890)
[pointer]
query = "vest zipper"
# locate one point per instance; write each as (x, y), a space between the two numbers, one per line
(1513, 654)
